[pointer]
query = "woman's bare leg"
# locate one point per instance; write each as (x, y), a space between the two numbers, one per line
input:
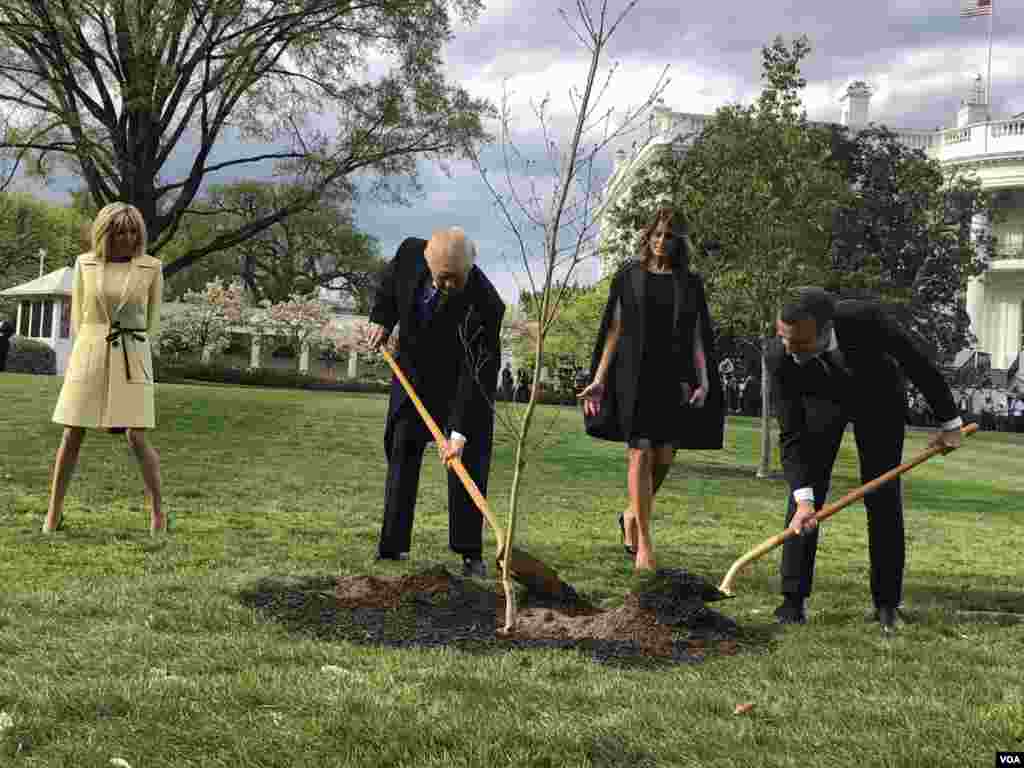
(63, 468)
(664, 455)
(640, 478)
(149, 462)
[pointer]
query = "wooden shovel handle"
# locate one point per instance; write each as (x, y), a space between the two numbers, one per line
(830, 509)
(455, 464)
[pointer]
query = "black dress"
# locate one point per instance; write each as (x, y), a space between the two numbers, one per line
(658, 315)
(659, 401)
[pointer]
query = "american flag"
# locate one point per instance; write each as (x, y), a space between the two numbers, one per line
(976, 8)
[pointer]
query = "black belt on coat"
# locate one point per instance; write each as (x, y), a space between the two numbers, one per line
(115, 335)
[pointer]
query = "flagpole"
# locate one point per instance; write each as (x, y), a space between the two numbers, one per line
(991, 13)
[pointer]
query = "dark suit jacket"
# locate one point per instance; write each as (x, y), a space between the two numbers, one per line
(878, 354)
(454, 374)
(699, 428)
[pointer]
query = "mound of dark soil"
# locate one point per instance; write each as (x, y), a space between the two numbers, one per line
(664, 619)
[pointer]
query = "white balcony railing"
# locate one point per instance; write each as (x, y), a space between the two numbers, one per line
(1005, 137)
(1009, 244)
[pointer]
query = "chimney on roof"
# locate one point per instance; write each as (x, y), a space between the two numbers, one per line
(856, 104)
(973, 109)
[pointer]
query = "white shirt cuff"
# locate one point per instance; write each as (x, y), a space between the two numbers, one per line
(949, 426)
(804, 494)
(458, 436)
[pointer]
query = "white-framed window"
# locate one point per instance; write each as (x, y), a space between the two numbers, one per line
(65, 318)
(36, 322)
(46, 331)
(24, 317)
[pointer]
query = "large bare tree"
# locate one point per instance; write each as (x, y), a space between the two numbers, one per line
(124, 89)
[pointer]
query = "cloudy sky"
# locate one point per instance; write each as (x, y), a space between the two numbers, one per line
(919, 56)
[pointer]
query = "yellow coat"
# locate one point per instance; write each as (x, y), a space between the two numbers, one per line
(100, 390)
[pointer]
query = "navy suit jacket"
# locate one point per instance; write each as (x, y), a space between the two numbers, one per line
(454, 367)
(878, 354)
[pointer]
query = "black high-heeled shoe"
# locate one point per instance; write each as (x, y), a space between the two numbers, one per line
(631, 551)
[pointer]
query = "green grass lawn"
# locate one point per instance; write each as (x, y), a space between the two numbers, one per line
(113, 644)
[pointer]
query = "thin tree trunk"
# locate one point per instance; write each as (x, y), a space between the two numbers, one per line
(765, 469)
(517, 477)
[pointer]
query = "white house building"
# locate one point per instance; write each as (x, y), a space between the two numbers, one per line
(992, 149)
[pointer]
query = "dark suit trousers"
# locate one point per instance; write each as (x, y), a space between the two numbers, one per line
(878, 428)
(465, 523)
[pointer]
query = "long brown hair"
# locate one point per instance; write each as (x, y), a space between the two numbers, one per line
(678, 247)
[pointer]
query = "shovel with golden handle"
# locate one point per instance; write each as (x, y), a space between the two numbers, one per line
(830, 509)
(535, 574)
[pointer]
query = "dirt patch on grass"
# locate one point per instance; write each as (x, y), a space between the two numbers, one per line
(664, 617)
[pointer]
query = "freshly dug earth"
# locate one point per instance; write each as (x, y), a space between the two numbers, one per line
(664, 618)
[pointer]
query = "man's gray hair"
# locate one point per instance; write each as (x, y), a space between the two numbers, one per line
(469, 247)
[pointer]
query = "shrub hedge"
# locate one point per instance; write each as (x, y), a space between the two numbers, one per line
(170, 371)
(31, 356)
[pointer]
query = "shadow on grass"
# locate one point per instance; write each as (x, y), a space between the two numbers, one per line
(967, 599)
(464, 617)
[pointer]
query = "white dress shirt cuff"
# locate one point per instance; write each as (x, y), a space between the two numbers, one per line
(949, 426)
(458, 436)
(804, 494)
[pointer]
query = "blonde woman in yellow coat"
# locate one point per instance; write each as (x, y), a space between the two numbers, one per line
(108, 384)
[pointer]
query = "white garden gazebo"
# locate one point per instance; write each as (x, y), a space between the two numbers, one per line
(44, 312)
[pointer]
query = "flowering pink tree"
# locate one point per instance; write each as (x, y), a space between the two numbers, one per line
(355, 338)
(205, 322)
(298, 322)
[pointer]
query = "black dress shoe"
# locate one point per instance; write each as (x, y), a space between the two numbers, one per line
(791, 611)
(474, 566)
(631, 551)
(889, 618)
(392, 556)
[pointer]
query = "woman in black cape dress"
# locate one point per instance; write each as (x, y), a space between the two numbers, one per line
(654, 382)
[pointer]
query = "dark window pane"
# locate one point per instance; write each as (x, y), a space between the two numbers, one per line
(37, 317)
(47, 319)
(65, 318)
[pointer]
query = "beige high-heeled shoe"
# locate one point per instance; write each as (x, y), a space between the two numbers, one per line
(58, 527)
(158, 524)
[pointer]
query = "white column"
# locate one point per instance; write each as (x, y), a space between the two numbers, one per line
(205, 356)
(1005, 337)
(304, 357)
(254, 357)
(1015, 327)
(17, 326)
(976, 306)
(353, 364)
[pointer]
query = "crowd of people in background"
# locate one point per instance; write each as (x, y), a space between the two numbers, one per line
(1002, 412)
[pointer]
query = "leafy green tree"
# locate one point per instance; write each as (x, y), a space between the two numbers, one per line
(315, 247)
(28, 225)
(570, 341)
(905, 235)
(116, 89)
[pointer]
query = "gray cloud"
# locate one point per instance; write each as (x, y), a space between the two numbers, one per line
(918, 54)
